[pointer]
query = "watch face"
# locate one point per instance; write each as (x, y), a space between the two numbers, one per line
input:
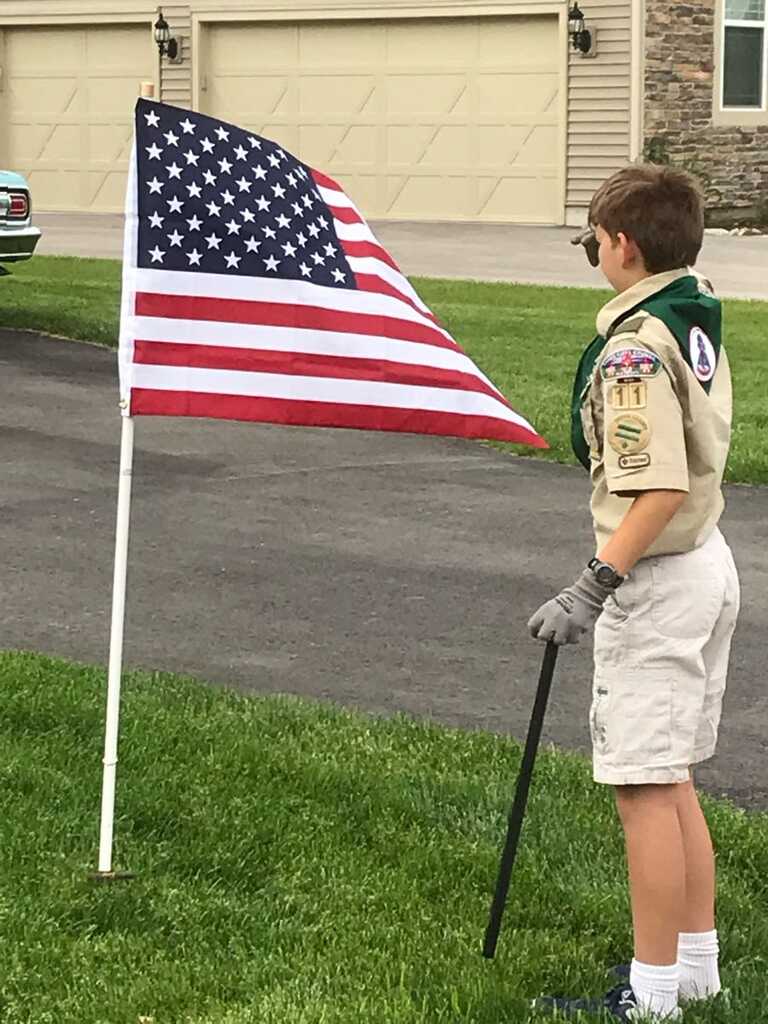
(605, 574)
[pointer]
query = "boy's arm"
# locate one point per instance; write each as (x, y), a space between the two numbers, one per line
(576, 608)
(649, 515)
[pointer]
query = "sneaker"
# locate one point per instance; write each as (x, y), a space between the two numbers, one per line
(618, 1004)
(622, 971)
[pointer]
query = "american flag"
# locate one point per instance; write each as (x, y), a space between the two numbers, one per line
(253, 289)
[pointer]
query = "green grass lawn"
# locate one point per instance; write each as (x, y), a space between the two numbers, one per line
(526, 338)
(300, 864)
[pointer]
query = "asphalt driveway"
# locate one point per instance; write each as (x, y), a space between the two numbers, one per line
(385, 572)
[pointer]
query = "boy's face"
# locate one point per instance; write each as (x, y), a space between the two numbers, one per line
(620, 259)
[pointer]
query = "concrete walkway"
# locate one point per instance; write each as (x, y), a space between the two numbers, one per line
(738, 267)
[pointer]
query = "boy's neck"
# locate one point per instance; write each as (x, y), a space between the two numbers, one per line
(631, 278)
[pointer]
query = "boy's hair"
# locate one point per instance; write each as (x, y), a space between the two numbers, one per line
(660, 208)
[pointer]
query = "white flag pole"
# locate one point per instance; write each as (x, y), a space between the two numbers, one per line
(117, 632)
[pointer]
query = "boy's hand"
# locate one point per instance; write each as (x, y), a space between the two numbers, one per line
(566, 617)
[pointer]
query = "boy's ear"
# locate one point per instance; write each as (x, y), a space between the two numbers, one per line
(630, 251)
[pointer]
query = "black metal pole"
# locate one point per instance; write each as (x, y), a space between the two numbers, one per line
(517, 813)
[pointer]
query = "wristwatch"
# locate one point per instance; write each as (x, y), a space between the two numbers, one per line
(605, 574)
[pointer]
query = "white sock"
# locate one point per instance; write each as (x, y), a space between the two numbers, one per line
(697, 958)
(656, 990)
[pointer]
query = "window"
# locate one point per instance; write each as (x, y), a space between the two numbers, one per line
(745, 54)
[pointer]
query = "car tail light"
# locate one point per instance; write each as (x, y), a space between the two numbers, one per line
(19, 206)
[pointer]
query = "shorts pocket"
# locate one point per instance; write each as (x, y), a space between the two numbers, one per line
(635, 723)
(685, 606)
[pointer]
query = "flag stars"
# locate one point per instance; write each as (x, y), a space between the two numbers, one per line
(194, 190)
(339, 277)
(305, 270)
(191, 158)
(207, 145)
(171, 139)
(175, 205)
(252, 245)
(254, 143)
(155, 186)
(187, 127)
(308, 201)
(292, 180)
(223, 134)
(283, 221)
(225, 165)
(274, 161)
(233, 260)
(233, 228)
(259, 172)
(174, 171)
(194, 223)
(319, 260)
(157, 254)
(241, 153)
(248, 216)
(298, 209)
(213, 241)
(213, 209)
(262, 203)
(152, 119)
(243, 185)
(269, 232)
(194, 258)
(323, 223)
(153, 151)
(289, 250)
(330, 250)
(271, 263)
(279, 191)
(314, 230)
(227, 197)
(209, 178)
(175, 239)
(301, 238)
(155, 220)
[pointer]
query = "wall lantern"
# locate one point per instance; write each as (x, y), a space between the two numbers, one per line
(166, 44)
(581, 37)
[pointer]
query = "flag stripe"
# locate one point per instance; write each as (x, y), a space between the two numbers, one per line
(191, 307)
(325, 414)
(368, 267)
(373, 283)
(304, 364)
(291, 294)
(363, 249)
(288, 386)
(290, 339)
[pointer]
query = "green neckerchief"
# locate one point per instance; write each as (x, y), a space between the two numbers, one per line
(681, 306)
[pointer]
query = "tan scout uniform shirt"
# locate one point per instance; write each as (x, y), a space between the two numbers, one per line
(685, 445)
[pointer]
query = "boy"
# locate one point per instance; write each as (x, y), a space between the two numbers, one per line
(651, 421)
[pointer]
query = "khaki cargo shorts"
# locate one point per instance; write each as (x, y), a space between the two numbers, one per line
(661, 659)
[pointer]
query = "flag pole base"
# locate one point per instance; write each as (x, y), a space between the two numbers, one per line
(102, 877)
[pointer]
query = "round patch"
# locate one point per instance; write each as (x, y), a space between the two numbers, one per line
(629, 434)
(703, 357)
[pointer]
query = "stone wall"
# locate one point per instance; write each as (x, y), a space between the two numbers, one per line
(680, 81)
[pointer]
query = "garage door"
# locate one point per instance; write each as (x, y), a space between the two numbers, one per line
(65, 110)
(434, 119)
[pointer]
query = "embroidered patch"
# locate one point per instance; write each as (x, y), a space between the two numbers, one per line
(634, 461)
(628, 434)
(703, 357)
(630, 364)
(632, 395)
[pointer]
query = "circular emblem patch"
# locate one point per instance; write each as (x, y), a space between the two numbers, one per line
(629, 434)
(703, 357)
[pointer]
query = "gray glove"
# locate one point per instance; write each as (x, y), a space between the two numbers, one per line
(575, 610)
